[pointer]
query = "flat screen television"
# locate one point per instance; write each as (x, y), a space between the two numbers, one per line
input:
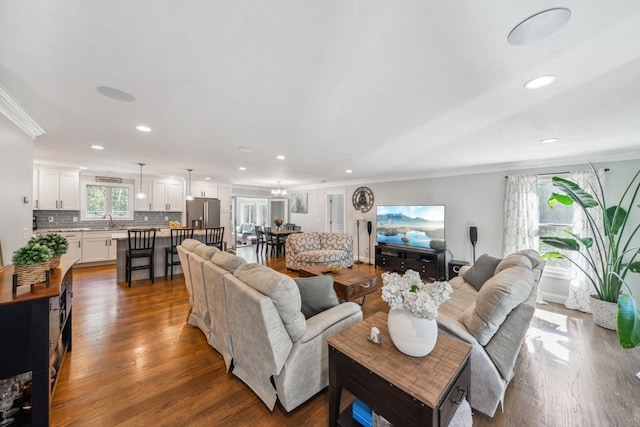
(413, 226)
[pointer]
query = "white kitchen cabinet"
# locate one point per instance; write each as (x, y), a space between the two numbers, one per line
(98, 246)
(58, 189)
(143, 204)
(204, 189)
(74, 253)
(168, 195)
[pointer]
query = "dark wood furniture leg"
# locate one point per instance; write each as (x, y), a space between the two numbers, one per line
(335, 389)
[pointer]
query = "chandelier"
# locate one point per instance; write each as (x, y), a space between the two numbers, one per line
(279, 192)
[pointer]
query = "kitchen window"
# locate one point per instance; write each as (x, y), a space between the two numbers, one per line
(99, 199)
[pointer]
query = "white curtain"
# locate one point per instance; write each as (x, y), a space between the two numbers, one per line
(579, 286)
(521, 216)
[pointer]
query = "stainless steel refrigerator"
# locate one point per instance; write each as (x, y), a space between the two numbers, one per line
(203, 213)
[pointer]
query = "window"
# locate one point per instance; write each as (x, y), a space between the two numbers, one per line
(103, 198)
(552, 222)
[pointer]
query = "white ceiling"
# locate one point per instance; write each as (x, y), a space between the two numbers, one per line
(388, 89)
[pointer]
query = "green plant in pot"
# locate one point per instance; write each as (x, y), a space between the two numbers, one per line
(54, 241)
(610, 253)
(31, 262)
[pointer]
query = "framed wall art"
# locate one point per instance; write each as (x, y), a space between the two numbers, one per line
(299, 203)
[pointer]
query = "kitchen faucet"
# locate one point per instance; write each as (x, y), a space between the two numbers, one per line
(111, 223)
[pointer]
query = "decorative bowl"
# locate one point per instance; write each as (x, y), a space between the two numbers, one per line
(334, 268)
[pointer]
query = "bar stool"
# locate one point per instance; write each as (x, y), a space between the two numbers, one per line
(177, 236)
(213, 236)
(142, 244)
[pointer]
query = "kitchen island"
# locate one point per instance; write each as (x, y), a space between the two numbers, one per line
(163, 240)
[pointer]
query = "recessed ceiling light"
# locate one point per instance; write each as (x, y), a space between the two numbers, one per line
(242, 168)
(539, 82)
(208, 179)
(143, 128)
(245, 149)
(349, 171)
(280, 157)
(83, 168)
(539, 26)
(116, 94)
(97, 147)
(549, 141)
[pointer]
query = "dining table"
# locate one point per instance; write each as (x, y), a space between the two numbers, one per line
(283, 233)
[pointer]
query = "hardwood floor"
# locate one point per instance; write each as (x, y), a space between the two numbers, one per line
(135, 361)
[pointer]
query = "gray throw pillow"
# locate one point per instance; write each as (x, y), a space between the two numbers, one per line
(317, 294)
(483, 270)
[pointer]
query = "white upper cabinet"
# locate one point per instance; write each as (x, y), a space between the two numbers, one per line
(168, 195)
(204, 189)
(58, 189)
(143, 204)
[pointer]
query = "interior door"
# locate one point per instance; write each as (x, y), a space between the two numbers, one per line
(335, 212)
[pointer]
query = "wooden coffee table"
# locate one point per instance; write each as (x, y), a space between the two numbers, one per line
(405, 390)
(348, 283)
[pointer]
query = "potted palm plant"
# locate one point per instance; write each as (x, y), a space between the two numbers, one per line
(611, 251)
(54, 241)
(31, 263)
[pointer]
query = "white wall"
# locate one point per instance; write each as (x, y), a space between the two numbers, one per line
(470, 200)
(16, 182)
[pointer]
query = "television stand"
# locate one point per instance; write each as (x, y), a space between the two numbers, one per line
(430, 263)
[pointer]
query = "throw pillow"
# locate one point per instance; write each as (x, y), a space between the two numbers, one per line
(481, 271)
(317, 294)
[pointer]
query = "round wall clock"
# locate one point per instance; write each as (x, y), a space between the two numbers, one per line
(362, 199)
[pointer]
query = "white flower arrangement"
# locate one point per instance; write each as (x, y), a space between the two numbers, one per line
(408, 292)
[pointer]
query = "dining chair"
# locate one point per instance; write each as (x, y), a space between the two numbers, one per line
(261, 240)
(142, 244)
(177, 235)
(214, 236)
(297, 228)
(270, 240)
(289, 226)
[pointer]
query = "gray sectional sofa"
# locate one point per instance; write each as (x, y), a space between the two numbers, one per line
(271, 331)
(491, 308)
(303, 249)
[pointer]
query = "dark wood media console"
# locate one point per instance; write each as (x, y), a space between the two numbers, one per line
(430, 263)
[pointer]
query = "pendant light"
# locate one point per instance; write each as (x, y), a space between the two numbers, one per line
(189, 195)
(141, 194)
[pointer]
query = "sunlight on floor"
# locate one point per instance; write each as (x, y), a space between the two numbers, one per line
(549, 334)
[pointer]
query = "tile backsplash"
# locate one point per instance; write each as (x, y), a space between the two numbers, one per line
(64, 220)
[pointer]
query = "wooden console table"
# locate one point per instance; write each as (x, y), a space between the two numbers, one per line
(36, 334)
(405, 390)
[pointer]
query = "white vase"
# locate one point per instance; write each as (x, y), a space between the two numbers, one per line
(411, 335)
(605, 313)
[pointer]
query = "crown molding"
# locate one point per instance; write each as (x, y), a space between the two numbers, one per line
(12, 110)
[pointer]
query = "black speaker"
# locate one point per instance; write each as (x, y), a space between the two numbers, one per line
(455, 266)
(369, 226)
(473, 235)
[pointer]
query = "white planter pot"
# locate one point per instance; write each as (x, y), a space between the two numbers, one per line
(605, 313)
(411, 335)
